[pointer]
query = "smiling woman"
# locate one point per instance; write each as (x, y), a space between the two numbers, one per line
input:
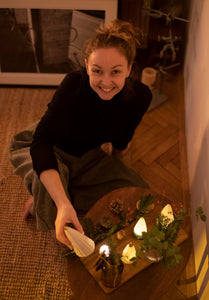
(69, 171)
(109, 57)
(107, 69)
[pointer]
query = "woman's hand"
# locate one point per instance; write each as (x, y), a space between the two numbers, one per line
(66, 214)
(110, 150)
(65, 211)
(121, 153)
(107, 148)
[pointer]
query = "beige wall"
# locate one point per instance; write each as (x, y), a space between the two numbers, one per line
(197, 134)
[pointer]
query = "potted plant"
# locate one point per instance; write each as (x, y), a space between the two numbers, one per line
(110, 264)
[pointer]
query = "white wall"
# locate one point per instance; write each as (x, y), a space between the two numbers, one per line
(197, 134)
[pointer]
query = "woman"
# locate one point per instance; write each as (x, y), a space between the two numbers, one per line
(91, 107)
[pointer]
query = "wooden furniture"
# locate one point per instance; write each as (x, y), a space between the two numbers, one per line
(150, 282)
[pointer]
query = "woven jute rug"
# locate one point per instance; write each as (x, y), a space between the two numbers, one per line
(31, 263)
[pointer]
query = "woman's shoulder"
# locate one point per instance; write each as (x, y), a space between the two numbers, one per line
(69, 89)
(137, 90)
(74, 77)
(72, 84)
(137, 98)
(137, 85)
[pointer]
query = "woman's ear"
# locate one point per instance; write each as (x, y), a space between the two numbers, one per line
(129, 70)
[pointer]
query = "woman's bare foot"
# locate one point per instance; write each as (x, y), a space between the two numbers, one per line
(27, 208)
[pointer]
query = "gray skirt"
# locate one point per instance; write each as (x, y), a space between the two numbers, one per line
(85, 179)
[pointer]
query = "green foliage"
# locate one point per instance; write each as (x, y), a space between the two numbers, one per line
(99, 233)
(100, 237)
(162, 237)
(200, 214)
(145, 202)
(88, 226)
(138, 256)
(68, 252)
(114, 257)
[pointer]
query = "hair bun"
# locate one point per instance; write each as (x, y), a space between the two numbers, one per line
(117, 34)
(120, 29)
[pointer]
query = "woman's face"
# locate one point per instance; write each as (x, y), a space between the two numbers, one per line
(107, 69)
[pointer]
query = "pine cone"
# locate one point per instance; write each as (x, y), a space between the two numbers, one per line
(106, 222)
(116, 206)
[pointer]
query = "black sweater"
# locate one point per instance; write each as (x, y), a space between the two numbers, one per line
(78, 120)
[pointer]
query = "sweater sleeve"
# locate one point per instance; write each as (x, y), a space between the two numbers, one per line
(50, 127)
(143, 100)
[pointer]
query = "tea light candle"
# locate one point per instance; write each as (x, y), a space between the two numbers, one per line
(104, 249)
(140, 227)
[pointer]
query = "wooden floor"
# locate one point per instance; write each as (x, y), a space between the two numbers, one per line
(158, 153)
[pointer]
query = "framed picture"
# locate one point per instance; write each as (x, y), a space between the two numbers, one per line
(42, 40)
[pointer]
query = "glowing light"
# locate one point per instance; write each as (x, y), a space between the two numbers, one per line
(104, 249)
(140, 227)
(128, 253)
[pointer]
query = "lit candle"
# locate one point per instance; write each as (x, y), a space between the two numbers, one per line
(167, 212)
(140, 227)
(128, 253)
(104, 249)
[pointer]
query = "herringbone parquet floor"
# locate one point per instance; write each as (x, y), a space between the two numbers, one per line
(156, 145)
(159, 154)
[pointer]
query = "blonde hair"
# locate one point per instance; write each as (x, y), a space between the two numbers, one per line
(117, 34)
